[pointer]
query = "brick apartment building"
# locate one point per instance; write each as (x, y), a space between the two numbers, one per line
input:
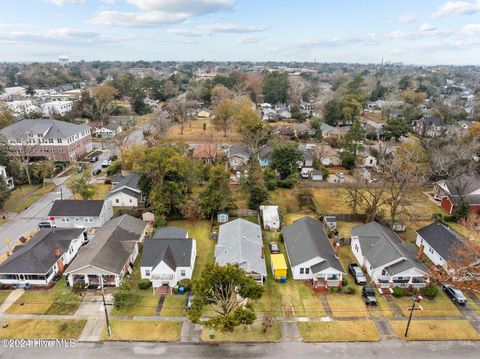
(47, 138)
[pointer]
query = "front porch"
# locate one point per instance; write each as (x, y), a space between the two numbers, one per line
(95, 280)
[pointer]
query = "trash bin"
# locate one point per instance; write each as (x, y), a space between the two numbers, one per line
(181, 290)
(211, 335)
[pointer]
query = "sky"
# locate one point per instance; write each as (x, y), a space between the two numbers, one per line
(365, 31)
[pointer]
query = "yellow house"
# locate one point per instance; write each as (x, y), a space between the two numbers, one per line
(279, 266)
(203, 115)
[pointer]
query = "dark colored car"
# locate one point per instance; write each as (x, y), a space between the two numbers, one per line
(455, 294)
(274, 249)
(94, 159)
(357, 273)
(45, 224)
(96, 172)
(368, 294)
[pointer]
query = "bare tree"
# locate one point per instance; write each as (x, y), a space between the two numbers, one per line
(158, 127)
(22, 147)
(179, 110)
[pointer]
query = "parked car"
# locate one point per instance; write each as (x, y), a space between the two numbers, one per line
(97, 172)
(274, 249)
(106, 163)
(357, 273)
(455, 294)
(340, 174)
(368, 294)
(94, 159)
(46, 224)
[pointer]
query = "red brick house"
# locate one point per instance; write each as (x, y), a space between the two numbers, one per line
(47, 138)
(451, 192)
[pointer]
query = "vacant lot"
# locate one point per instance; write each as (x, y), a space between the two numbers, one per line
(441, 306)
(194, 133)
(144, 330)
(23, 197)
(42, 329)
(344, 305)
(342, 331)
(435, 330)
(174, 306)
(138, 303)
(251, 333)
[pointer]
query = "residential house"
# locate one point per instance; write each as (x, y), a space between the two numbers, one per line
(72, 213)
(439, 243)
(303, 131)
(430, 127)
(238, 156)
(388, 260)
(110, 255)
(369, 161)
(328, 155)
(6, 178)
(307, 156)
(452, 192)
(203, 115)
(287, 132)
(316, 175)
(43, 257)
(126, 193)
(207, 152)
(270, 217)
(166, 261)
(51, 139)
(265, 156)
(53, 108)
(240, 242)
(110, 130)
(310, 253)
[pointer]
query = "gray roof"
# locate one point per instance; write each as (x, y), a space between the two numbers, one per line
(37, 256)
(437, 121)
(239, 150)
(325, 127)
(74, 207)
(127, 191)
(464, 185)
(170, 232)
(305, 239)
(265, 153)
(381, 246)
(130, 181)
(441, 238)
(240, 242)
(112, 245)
(175, 252)
(56, 129)
(305, 152)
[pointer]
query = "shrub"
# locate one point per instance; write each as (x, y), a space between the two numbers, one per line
(344, 282)
(144, 284)
(108, 181)
(349, 290)
(288, 182)
(186, 284)
(120, 298)
(114, 167)
(397, 292)
(78, 286)
(430, 291)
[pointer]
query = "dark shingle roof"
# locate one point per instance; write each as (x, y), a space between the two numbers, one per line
(442, 239)
(73, 207)
(130, 181)
(306, 239)
(437, 121)
(175, 252)
(112, 245)
(37, 256)
(170, 232)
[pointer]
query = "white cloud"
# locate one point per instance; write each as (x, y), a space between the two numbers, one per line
(65, 2)
(451, 8)
(364, 40)
(402, 35)
(206, 30)
(192, 7)
(136, 19)
(405, 19)
(471, 30)
(427, 28)
(247, 40)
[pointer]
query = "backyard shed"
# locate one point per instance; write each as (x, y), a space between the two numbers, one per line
(279, 266)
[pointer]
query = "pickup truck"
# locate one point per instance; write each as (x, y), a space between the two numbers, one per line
(357, 273)
(368, 294)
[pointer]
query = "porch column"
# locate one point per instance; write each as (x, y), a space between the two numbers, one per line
(117, 281)
(70, 280)
(87, 282)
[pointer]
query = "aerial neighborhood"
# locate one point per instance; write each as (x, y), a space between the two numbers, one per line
(239, 201)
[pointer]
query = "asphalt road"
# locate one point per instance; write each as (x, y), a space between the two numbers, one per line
(27, 221)
(292, 350)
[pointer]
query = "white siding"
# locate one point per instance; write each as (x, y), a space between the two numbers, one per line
(431, 254)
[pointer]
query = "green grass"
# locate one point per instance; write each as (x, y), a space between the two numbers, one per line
(252, 333)
(435, 330)
(23, 197)
(139, 303)
(58, 300)
(174, 306)
(200, 231)
(42, 329)
(441, 306)
(144, 330)
(3, 295)
(345, 305)
(339, 331)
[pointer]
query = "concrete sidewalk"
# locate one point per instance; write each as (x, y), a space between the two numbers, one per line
(12, 298)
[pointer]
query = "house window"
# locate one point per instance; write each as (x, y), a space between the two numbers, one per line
(117, 201)
(77, 219)
(182, 273)
(356, 248)
(307, 270)
(301, 270)
(147, 272)
(130, 200)
(384, 272)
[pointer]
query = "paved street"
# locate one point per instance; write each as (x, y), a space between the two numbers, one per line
(27, 221)
(291, 350)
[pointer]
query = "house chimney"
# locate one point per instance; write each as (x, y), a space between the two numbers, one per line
(337, 250)
(57, 252)
(420, 252)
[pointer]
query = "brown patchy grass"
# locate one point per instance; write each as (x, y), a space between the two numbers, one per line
(344, 305)
(340, 331)
(144, 330)
(441, 306)
(42, 329)
(435, 330)
(253, 333)
(194, 133)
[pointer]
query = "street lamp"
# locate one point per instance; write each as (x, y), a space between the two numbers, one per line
(416, 300)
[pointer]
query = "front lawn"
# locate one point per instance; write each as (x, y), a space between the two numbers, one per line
(330, 201)
(42, 329)
(441, 306)
(23, 197)
(435, 330)
(174, 306)
(144, 330)
(58, 300)
(347, 305)
(252, 333)
(3, 295)
(139, 303)
(339, 331)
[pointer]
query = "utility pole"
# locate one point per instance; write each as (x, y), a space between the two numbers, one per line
(416, 300)
(109, 329)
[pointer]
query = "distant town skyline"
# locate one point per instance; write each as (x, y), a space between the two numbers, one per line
(408, 31)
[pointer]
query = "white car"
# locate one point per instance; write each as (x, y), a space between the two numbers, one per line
(106, 163)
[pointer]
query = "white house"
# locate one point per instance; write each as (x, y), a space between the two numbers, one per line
(71, 213)
(42, 257)
(52, 108)
(386, 258)
(6, 178)
(109, 130)
(166, 261)
(369, 161)
(238, 156)
(271, 219)
(310, 253)
(438, 243)
(126, 193)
